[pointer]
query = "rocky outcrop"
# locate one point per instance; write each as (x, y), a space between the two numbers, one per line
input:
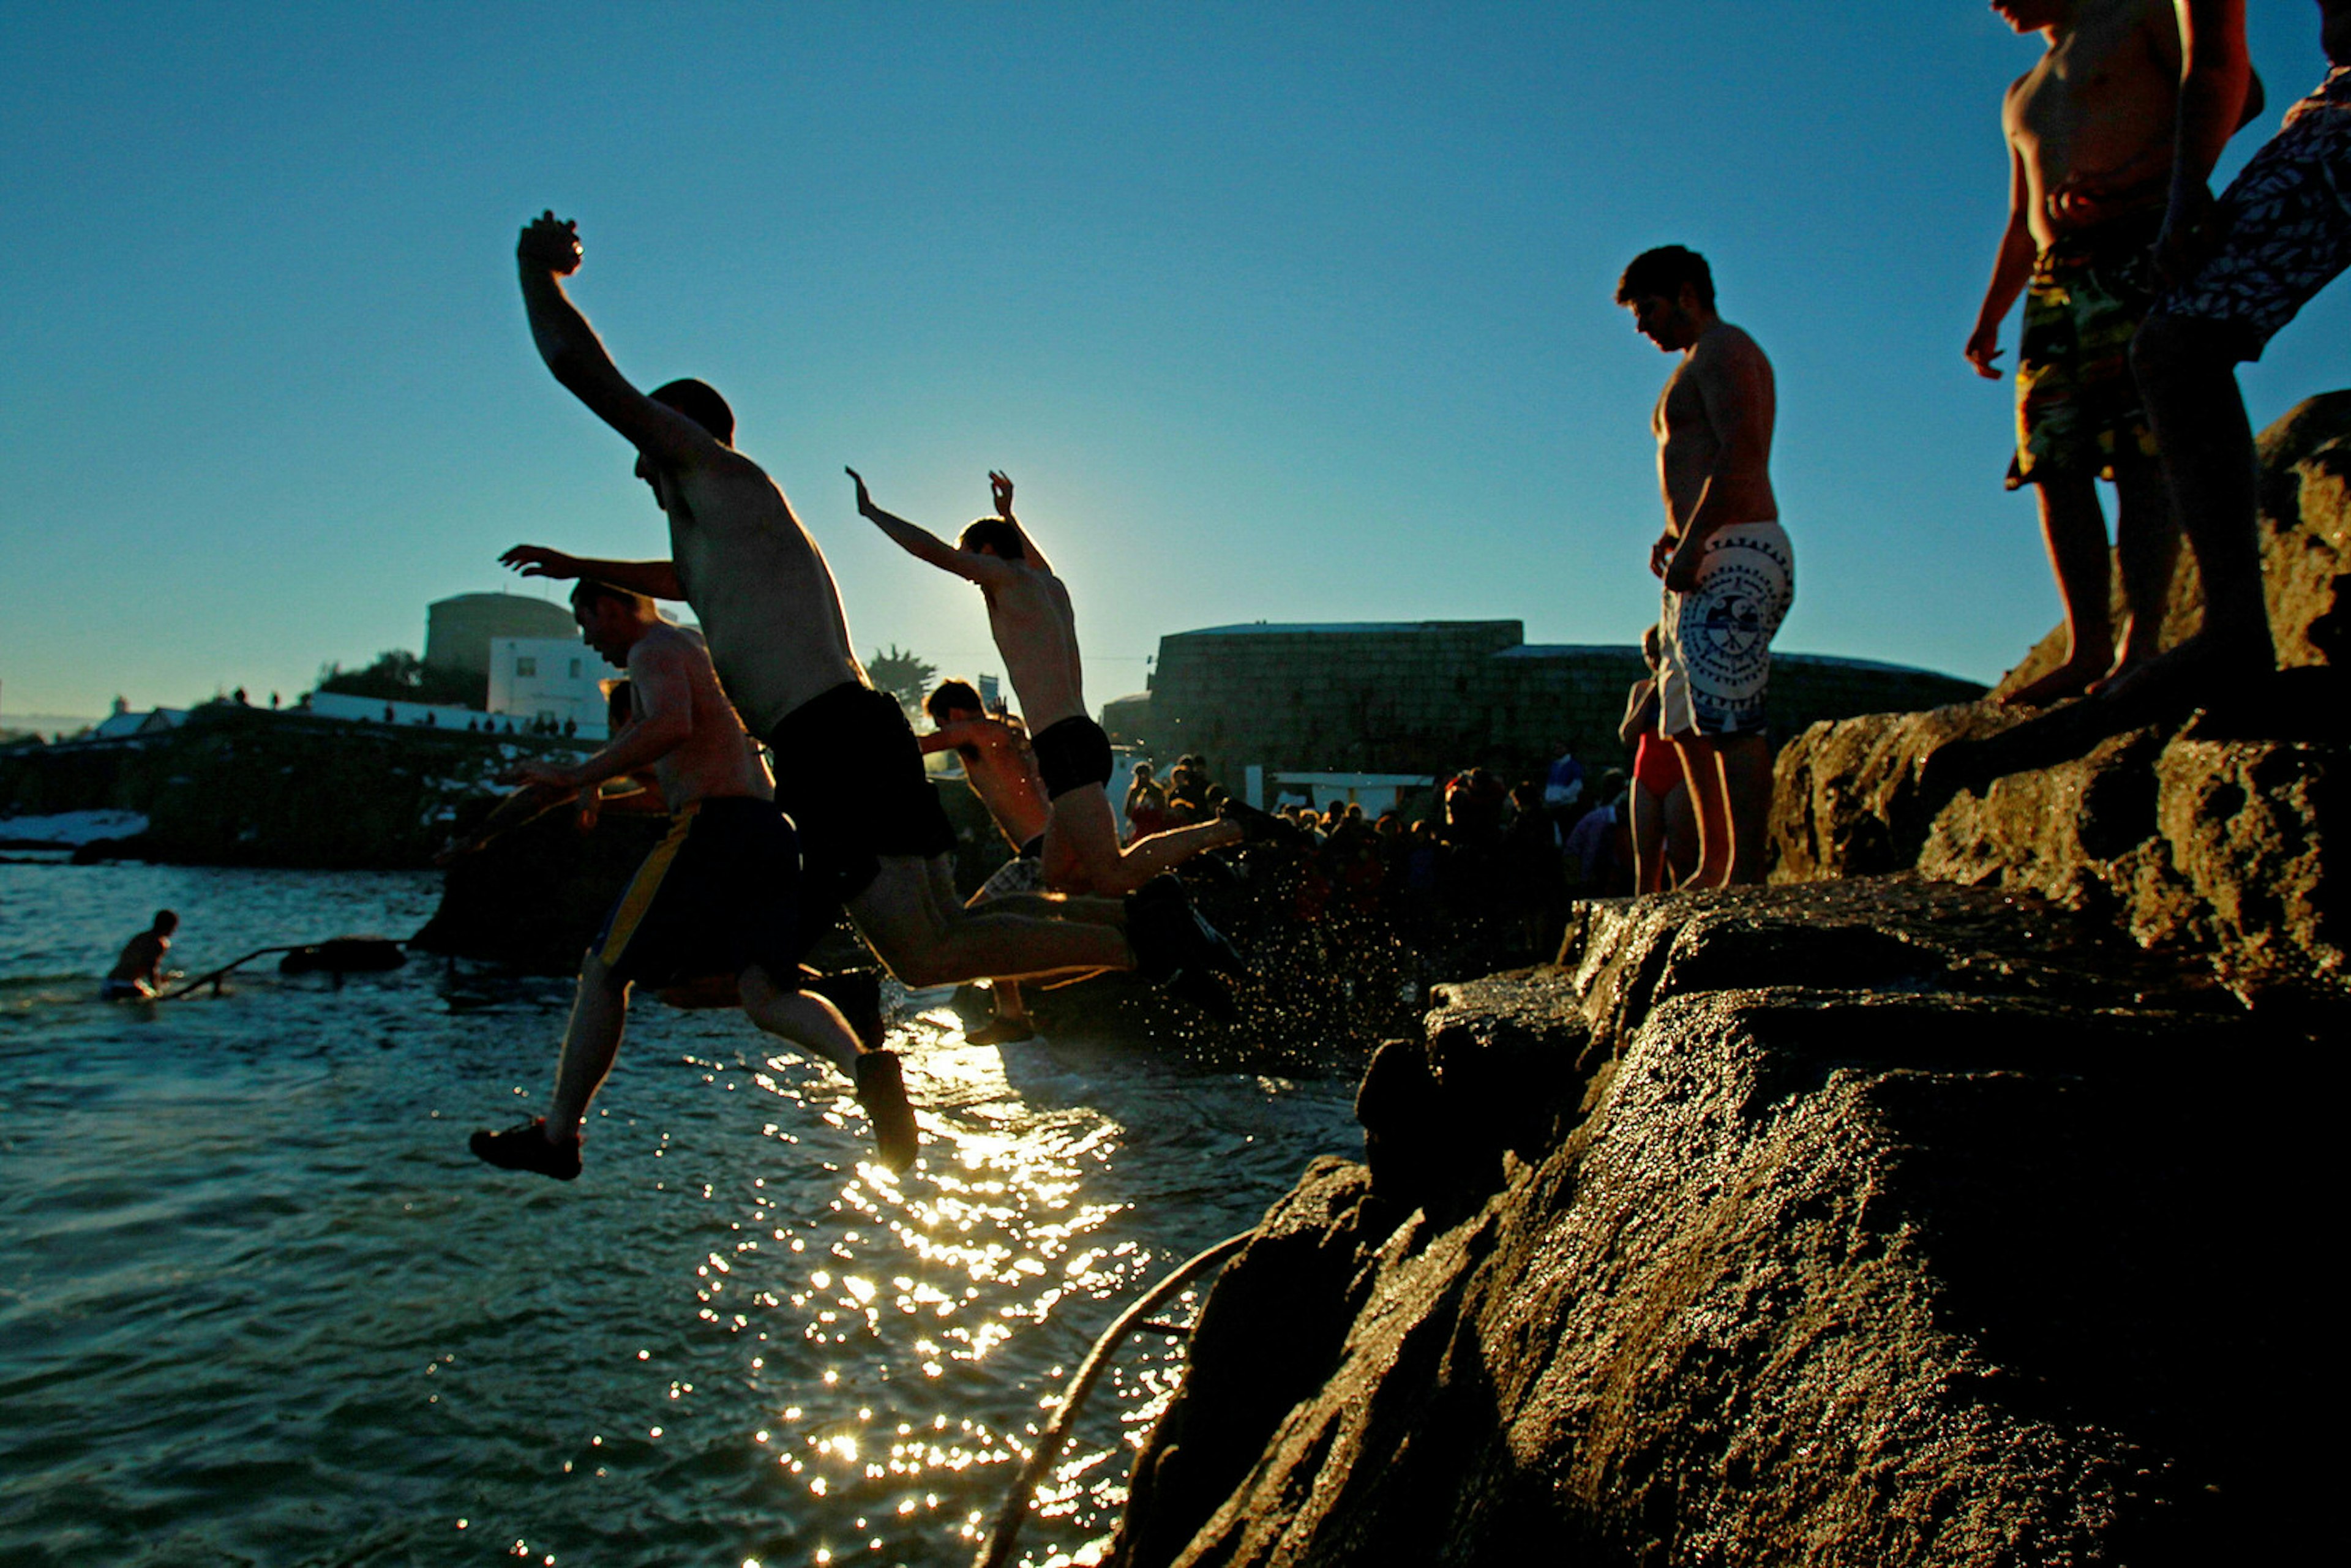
(2202, 833)
(1869, 1222)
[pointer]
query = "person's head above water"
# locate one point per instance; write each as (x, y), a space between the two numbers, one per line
(166, 921)
(611, 618)
(998, 537)
(1671, 291)
(952, 700)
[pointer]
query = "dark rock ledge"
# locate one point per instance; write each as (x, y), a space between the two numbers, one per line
(1867, 1222)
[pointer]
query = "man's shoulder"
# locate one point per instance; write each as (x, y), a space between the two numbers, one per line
(1728, 344)
(669, 640)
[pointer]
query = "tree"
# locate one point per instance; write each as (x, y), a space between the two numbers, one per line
(905, 675)
(400, 676)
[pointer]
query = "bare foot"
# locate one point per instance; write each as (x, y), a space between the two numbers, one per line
(2070, 679)
(2195, 673)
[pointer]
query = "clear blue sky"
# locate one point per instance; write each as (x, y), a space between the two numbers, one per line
(1289, 312)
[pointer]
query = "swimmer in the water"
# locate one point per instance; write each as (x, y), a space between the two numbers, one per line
(139, 973)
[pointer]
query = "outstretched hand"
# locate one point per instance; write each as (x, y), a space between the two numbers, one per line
(550, 242)
(999, 486)
(538, 560)
(865, 508)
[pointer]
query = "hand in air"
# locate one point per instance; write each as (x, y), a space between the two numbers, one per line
(538, 560)
(865, 508)
(999, 486)
(1983, 348)
(551, 243)
(1660, 553)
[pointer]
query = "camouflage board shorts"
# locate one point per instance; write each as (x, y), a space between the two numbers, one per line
(2287, 220)
(2077, 404)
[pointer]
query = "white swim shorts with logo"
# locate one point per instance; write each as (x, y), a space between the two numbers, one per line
(1718, 636)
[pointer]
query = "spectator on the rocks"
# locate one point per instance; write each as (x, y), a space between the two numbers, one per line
(1664, 829)
(2235, 273)
(1729, 569)
(1601, 846)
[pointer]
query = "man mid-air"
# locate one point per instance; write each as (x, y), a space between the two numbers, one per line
(718, 896)
(848, 772)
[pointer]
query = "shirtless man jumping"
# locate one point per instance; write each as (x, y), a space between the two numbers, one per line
(2090, 131)
(1036, 631)
(1729, 572)
(720, 894)
(850, 777)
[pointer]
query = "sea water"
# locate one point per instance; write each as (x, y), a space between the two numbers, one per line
(259, 1304)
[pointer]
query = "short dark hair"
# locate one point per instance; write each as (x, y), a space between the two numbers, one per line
(999, 534)
(589, 588)
(949, 695)
(165, 920)
(699, 402)
(1663, 271)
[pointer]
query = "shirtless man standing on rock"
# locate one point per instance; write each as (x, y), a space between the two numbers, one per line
(1729, 572)
(2235, 272)
(719, 894)
(2090, 134)
(849, 774)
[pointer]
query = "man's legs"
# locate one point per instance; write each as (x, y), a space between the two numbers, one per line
(1731, 786)
(599, 1011)
(2187, 375)
(925, 944)
(1648, 839)
(2074, 531)
(1082, 847)
(803, 1017)
(2146, 551)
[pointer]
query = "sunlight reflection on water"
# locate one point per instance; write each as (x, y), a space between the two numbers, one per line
(257, 1303)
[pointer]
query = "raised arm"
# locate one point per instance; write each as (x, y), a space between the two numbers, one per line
(653, 579)
(2215, 75)
(2011, 266)
(1000, 489)
(548, 251)
(924, 545)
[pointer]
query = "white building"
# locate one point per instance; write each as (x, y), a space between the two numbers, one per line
(551, 678)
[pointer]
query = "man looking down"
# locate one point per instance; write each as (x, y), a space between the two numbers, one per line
(849, 774)
(719, 895)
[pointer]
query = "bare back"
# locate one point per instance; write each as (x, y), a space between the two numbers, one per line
(716, 759)
(141, 958)
(1723, 379)
(760, 587)
(2095, 115)
(1037, 632)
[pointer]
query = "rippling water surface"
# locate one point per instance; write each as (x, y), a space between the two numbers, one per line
(259, 1305)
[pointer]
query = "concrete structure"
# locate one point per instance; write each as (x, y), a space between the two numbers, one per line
(551, 678)
(1437, 696)
(458, 631)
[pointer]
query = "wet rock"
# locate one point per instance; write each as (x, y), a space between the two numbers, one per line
(1892, 1222)
(2204, 834)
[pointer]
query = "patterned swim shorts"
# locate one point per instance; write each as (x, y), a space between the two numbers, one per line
(2077, 403)
(1718, 636)
(1023, 873)
(2288, 223)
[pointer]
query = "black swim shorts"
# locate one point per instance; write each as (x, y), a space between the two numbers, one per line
(848, 772)
(1071, 755)
(720, 894)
